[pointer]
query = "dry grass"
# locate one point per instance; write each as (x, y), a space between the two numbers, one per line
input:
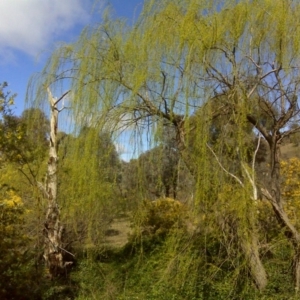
(290, 150)
(117, 234)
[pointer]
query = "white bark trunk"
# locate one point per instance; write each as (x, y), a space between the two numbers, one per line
(53, 251)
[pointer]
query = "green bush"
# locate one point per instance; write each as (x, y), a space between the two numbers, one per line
(163, 214)
(156, 221)
(17, 270)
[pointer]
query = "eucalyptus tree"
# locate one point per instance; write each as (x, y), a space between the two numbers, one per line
(54, 253)
(181, 57)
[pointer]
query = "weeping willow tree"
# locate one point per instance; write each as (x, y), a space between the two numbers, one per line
(188, 65)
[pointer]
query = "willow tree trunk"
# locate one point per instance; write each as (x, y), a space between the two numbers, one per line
(250, 248)
(53, 230)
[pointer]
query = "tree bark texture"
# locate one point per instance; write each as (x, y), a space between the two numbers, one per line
(53, 230)
(251, 251)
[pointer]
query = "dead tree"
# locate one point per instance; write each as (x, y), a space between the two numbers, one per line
(54, 253)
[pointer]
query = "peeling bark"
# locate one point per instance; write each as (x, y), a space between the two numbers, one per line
(53, 229)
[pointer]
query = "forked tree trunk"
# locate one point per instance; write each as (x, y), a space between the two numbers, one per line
(53, 230)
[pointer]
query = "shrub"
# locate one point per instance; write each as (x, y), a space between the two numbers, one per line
(158, 219)
(16, 268)
(162, 215)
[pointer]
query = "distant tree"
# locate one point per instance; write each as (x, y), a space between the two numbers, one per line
(6, 99)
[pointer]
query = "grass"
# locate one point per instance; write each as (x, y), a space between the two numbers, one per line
(117, 234)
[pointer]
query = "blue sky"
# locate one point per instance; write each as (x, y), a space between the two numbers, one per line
(30, 29)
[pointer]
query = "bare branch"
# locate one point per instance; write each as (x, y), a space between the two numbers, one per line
(258, 67)
(61, 97)
(261, 78)
(251, 177)
(42, 189)
(67, 263)
(255, 153)
(27, 177)
(289, 132)
(223, 79)
(259, 127)
(219, 163)
(285, 221)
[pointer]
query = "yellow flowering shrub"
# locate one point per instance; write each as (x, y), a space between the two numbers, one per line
(163, 214)
(290, 186)
(12, 242)
(156, 221)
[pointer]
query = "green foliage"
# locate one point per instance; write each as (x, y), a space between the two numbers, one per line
(24, 139)
(162, 215)
(175, 268)
(154, 174)
(17, 272)
(291, 188)
(216, 73)
(157, 220)
(12, 137)
(89, 174)
(6, 99)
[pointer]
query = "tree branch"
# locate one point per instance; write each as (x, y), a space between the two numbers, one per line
(219, 163)
(259, 127)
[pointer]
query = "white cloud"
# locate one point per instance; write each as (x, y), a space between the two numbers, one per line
(30, 25)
